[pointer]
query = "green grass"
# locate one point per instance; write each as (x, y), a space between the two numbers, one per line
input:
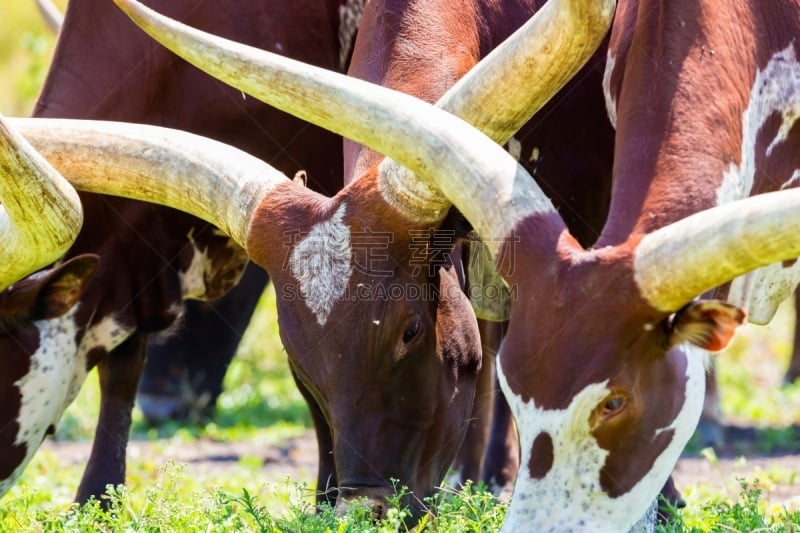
(261, 406)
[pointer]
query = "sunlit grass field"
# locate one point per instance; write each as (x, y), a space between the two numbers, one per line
(261, 406)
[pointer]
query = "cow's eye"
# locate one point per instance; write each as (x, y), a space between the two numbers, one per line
(613, 405)
(411, 332)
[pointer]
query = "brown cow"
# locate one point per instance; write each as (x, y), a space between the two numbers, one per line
(607, 387)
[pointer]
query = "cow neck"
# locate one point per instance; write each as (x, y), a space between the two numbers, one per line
(403, 48)
(678, 114)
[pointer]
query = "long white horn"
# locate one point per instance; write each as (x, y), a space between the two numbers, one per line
(678, 262)
(508, 86)
(41, 213)
(468, 168)
(209, 179)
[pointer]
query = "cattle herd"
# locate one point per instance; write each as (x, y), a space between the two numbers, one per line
(599, 192)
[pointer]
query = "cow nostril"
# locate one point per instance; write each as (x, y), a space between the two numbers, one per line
(378, 510)
(375, 504)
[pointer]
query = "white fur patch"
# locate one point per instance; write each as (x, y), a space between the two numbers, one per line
(611, 102)
(776, 89)
(58, 370)
(794, 181)
(321, 264)
(569, 497)
(45, 389)
(193, 280)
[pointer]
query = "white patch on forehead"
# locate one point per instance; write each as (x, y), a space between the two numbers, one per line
(45, 389)
(569, 497)
(776, 90)
(611, 102)
(321, 264)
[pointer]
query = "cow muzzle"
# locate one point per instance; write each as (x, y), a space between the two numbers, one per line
(373, 499)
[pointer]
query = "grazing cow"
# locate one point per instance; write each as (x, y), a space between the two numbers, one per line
(607, 387)
(319, 253)
(152, 257)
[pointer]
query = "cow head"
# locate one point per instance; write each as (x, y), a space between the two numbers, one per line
(412, 364)
(381, 336)
(37, 327)
(604, 406)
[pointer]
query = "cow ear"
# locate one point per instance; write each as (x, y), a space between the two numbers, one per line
(53, 292)
(709, 324)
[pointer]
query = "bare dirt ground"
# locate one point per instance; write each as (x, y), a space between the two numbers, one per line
(296, 459)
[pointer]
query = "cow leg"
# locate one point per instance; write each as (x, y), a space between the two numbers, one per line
(184, 372)
(501, 458)
(794, 364)
(710, 427)
(119, 375)
(326, 468)
(468, 463)
(502, 454)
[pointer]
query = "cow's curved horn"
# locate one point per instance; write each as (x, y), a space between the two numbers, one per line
(502, 92)
(469, 169)
(676, 263)
(51, 14)
(41, 213)
(211, 180)
(525, 71)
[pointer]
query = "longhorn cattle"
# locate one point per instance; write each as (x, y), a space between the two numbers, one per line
(603, 361)
(566, 145)
(456, 347)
